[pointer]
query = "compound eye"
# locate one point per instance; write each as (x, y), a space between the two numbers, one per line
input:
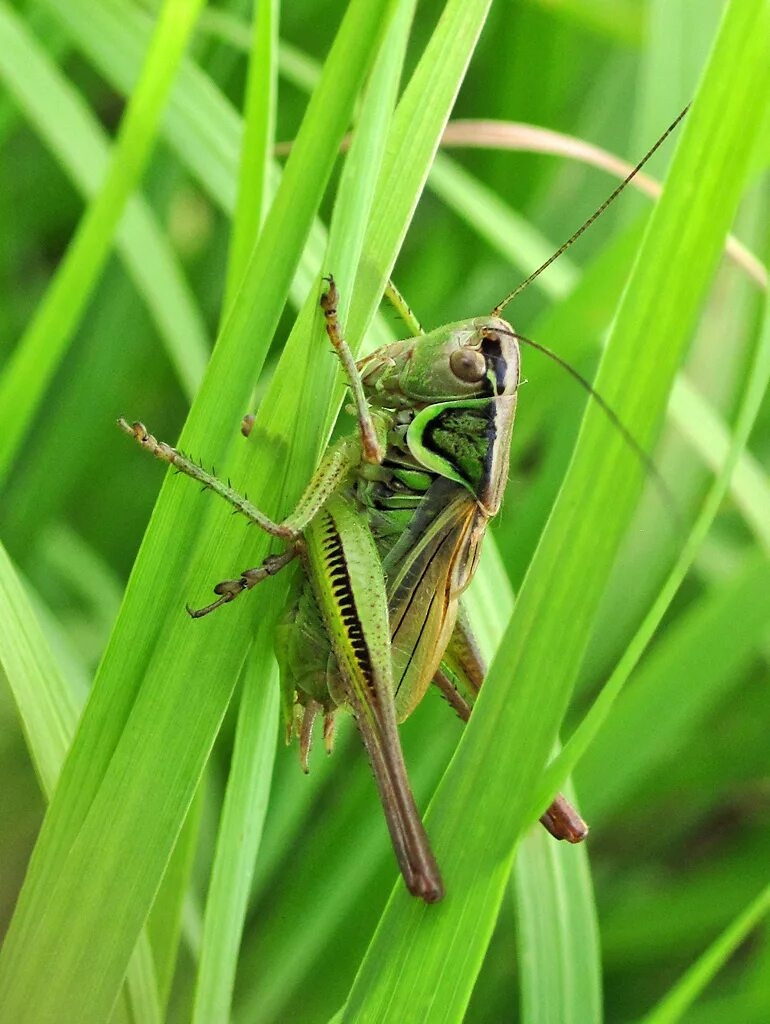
(468, 364)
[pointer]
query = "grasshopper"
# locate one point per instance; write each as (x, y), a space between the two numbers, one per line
(389, 532)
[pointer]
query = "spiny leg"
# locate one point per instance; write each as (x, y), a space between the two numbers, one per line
(333, 470)
(182, 464)
(402, 307)
(371, 446)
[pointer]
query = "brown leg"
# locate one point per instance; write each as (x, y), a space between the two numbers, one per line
(466, 664)
(371, 446)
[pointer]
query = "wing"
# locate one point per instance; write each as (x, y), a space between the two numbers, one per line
(426, 571)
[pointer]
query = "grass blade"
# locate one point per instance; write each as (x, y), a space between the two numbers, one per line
(559, 957)
(32, 365)
(427, 958)
(251, 768)
(258, 142)
(141, 747)
(678, 1000)
(47, 704)
(78, 142)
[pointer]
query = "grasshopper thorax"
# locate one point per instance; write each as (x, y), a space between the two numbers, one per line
(477, 358)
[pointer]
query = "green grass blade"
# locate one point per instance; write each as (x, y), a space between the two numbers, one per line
(428, 957)
(257, 145)
(679, 999)
(238, 838)
(32, 365)
(46, 703)
(78, 142)
(744, 592)
(49, 707)
(688, 673)
(558, 939)
(140, 750)
(413, 140)
(165, 924)
(248, 784)
(707, 433)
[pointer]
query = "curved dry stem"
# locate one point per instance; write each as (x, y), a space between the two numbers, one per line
(529, 138)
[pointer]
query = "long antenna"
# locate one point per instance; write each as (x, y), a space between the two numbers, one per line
(573, 238)
(649, 465)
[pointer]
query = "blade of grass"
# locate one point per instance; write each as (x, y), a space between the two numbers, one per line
(49, 706)
(679, 999)
(165, 924)
(558, 934)
(425, 960)
(133, 769)
(248, 785)
(238, 838)
(755, 388)
(558, 945)
(257, 144)
(74, 136)
(709, 436)
(39, 352)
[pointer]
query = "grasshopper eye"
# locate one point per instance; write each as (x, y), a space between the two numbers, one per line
(468, 364)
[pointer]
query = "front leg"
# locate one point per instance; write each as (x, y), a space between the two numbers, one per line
(372, 449)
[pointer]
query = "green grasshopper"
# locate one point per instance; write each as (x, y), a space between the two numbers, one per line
(389, 532)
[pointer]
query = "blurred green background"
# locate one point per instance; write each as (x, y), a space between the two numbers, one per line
(676, 785)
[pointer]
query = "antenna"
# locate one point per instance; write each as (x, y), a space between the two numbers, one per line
(649, 465)
(594, 216)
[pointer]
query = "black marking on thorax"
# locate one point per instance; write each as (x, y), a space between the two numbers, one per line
(465, 437)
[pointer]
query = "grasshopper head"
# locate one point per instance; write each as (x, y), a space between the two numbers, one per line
(469, 359)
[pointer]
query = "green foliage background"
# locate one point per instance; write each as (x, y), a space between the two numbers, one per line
(176, 863)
